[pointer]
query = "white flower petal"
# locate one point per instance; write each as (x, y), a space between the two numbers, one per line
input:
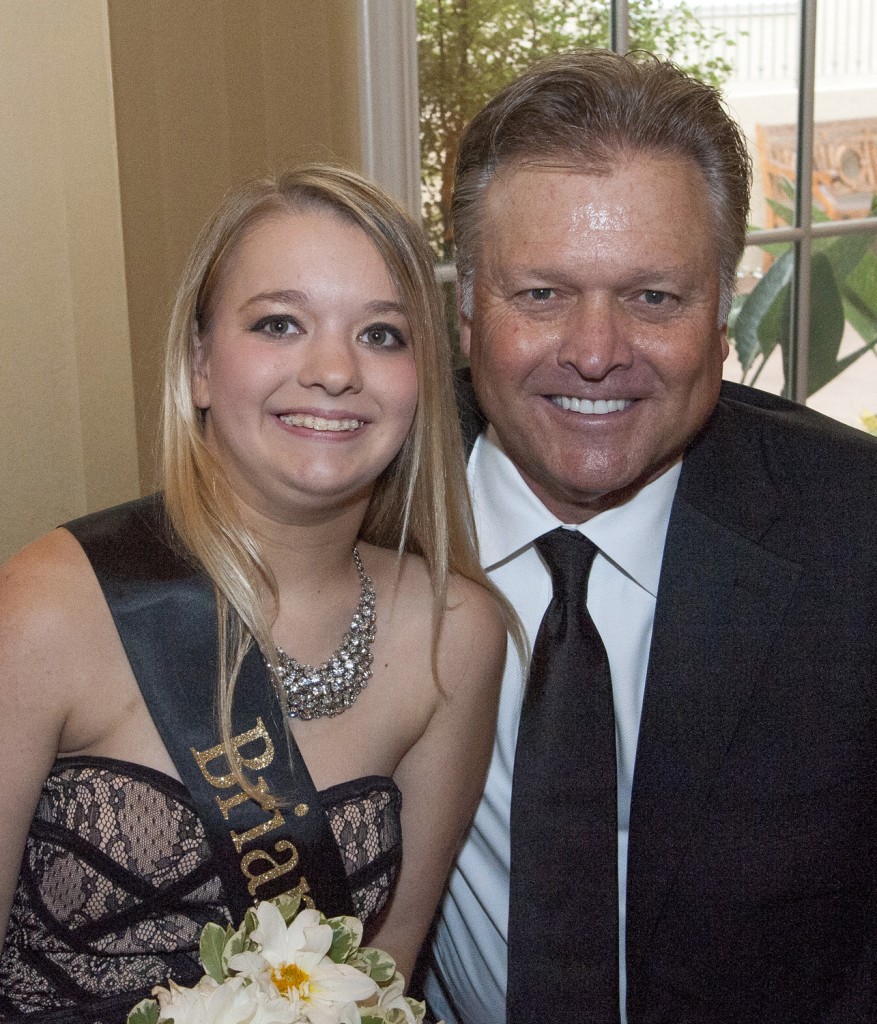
(270, 933)
(392, 991)
(248, 964)
(318, 939)
(208, 1002)
(350, 1015)
(306, 932)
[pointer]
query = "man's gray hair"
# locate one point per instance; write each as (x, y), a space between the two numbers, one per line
(589, 109)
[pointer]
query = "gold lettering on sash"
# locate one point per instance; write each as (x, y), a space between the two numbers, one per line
(253, 859)
(302, 890)
(206, 757)
(261, 787)
(278, 868)
(256, 831)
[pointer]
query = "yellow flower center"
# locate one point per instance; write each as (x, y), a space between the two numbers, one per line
(289, 977)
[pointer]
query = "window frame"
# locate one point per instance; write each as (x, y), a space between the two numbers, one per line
(390, 118)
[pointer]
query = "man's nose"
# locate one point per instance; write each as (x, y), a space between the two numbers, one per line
(595, 338)
(330, 361)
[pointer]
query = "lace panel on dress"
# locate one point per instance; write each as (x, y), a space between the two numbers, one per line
(117, 882)
(364, 816)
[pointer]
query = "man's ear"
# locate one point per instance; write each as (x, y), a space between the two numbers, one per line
(200, 374)
(465, 324)
(723, 339)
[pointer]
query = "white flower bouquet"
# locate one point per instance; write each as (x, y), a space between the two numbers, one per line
(286, 965)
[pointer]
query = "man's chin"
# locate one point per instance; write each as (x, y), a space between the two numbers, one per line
(576, 499)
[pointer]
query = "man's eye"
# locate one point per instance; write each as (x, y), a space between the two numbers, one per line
(383, 336)
(541, 294)
(654, 298)
(276, 326)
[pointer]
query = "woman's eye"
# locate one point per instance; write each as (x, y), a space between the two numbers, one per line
(276, 326)
(383, 336)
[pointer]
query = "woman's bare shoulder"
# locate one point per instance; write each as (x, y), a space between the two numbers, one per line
(55, 627)
(472, 629)
(402, 580)
(46, 584)
(472, 642)
(474, 598)
(47, 640)
(471, 609)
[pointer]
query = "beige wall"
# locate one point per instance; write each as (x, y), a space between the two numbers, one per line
(66, 399)
(123, 122)
(209, 93)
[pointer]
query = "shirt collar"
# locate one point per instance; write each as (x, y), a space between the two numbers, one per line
(509, 516)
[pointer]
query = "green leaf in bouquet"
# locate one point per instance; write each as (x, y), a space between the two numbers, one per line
(346, 937)
(377, 964)
(250, 923)
(396, 1016)
(393, 1015)
(236, 942)
(861, 314)
(211, 948)
(418, 1008)
(145, 1012)
(288, 905)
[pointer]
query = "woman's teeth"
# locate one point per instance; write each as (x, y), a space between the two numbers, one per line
(318, 423)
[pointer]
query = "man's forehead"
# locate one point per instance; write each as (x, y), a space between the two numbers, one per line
(596, 166)
(535, 195)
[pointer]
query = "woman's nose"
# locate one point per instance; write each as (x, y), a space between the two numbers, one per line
(330, 362)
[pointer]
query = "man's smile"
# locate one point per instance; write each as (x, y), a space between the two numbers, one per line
(584, 405)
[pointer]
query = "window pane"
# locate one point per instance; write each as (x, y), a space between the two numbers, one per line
(843, 368)
(759, 324)
(845, 129)
(762, 94)
(845, 109)
(843, 328)
(469, 49)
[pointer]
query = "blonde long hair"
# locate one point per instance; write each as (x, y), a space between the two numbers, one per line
(420, 502)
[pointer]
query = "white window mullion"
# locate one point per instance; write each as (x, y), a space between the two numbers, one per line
(799, 343)
(389, 104)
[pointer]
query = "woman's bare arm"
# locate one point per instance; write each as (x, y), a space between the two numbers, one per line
(442, 775)
(39, 652)
(65, 686)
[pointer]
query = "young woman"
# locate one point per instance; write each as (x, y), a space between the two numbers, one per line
(187, 726)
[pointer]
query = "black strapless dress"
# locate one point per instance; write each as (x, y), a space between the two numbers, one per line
(117, 882)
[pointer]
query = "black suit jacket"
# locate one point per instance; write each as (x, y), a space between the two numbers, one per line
(752, 876)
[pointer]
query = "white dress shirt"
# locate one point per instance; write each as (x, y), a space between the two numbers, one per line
(471, 944)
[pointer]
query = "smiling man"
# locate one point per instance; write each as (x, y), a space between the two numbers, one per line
(680, 821)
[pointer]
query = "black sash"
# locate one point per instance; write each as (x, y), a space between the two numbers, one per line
(165, 613)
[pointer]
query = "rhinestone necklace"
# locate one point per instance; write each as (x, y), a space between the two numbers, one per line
(334, 686)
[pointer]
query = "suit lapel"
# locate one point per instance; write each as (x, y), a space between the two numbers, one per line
(721, 599)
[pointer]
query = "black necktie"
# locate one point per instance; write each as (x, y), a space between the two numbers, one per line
(563, 916)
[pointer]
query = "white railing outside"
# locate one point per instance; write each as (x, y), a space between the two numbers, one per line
(766, 35)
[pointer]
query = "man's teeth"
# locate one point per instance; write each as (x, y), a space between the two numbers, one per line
(601, 406)
(318, 423)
